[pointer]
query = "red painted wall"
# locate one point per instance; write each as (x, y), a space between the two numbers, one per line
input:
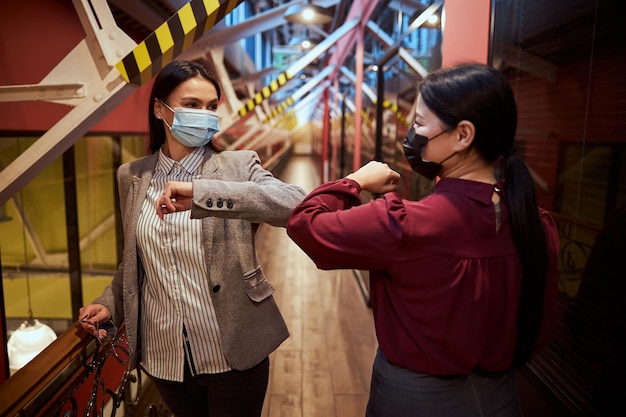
(34, 36)
(466, 28)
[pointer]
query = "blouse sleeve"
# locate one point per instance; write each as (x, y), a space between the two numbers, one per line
(337, 232)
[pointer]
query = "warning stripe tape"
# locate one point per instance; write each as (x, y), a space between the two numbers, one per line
(288, 121)
(279, 109)
(175, 35)
(265, 92)
(394, 108)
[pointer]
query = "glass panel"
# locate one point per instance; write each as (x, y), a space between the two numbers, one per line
(97, 194)
(96, 208)
(33, 232)
(566, 65)
(34, 259)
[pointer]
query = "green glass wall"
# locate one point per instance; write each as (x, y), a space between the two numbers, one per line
(34, 235)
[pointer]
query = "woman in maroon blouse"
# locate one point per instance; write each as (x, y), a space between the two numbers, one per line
(464, 281)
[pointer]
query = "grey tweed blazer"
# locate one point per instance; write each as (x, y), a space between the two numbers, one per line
(234, 196)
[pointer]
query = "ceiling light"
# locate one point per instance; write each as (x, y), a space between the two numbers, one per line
(433, 20)
(308, 14)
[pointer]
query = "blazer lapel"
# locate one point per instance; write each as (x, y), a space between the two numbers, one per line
(141, 183)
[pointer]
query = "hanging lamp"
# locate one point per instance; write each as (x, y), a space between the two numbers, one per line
(32, 336)
(308, 14)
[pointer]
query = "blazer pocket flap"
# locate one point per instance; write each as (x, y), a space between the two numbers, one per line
(261, 291)
(258, 288)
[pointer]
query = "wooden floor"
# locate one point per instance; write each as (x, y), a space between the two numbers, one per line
(324, 368)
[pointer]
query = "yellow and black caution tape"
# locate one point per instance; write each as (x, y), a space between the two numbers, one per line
(394, 108)
(366, 118)
(288, 121)
(279, 109)
(265, 92)
(179, 32)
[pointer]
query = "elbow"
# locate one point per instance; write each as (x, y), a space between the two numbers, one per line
(305, 241)
(300, 236)
(293, 231)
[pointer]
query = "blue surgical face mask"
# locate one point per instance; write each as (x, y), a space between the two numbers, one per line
(193, 127)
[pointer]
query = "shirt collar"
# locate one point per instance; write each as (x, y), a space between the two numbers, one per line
(479, 191)
(189, 164)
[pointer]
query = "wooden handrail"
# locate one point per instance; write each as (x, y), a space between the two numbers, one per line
(75, 375)
(23, 387)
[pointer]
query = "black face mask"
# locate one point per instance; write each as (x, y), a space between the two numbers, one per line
(413, 145)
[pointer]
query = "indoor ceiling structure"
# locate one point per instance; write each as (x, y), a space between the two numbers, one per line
(139, 18)
(252, 46)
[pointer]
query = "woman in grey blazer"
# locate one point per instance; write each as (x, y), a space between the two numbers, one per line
(198, 311)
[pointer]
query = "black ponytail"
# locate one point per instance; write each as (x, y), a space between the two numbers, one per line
(532, 247)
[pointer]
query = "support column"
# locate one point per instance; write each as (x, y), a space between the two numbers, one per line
(72, 232)
(358, 98)
(325, 136)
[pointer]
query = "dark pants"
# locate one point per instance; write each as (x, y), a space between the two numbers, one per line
(396, 391)
(229, 394)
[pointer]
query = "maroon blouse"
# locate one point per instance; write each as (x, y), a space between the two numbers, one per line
(444, 284)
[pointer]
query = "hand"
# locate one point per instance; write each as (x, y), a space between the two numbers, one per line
(90, 315)
(376, 177)
(177, 196)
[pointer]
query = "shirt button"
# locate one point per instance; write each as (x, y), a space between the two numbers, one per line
(229, 204)
(209, 203)
(216, 288)
(220, 203)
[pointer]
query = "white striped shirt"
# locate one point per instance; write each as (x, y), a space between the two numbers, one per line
(175, 290)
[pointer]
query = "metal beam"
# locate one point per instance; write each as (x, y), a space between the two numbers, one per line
(300, 92)
(307, 101)
(365, 88)
(386, 40)
(141, 12)
(251, 131)
(104, 45)
(262, 22)
(361, 11)
(75, 124)
(174, 36)
(41, 92)
(226, 35)
(298, 66)
(109, 85)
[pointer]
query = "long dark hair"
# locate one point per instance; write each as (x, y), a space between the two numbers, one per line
(482, 95)
(170, 77)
